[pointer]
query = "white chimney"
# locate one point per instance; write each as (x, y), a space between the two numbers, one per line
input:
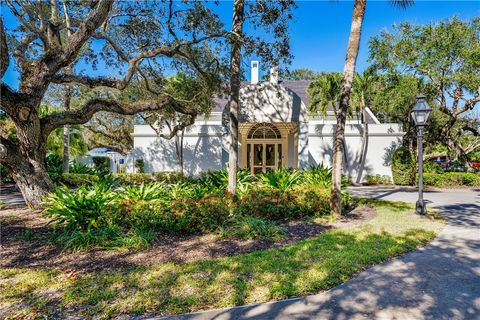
(254, 77)
(274, 74)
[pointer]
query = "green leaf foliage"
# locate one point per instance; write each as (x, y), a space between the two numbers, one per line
(403, 167)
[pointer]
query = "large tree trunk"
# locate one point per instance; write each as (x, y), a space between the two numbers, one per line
(27, 167)
(238, 19)
(33, 181)
(348, 73)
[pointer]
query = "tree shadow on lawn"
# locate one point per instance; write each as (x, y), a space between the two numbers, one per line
(437, 282)
(306, 267)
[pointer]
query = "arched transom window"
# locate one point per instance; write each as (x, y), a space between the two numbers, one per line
(264, 131)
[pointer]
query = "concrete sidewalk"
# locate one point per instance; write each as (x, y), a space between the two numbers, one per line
(439, 281)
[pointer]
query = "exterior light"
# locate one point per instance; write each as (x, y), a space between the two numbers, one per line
(420, 113)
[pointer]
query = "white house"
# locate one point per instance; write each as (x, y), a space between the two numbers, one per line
(275, 131)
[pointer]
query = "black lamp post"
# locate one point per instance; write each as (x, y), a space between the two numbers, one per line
(420, 115)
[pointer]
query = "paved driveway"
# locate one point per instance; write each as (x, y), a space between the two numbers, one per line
(440, 281)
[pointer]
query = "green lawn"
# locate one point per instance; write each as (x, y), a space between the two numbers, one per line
(306, 267)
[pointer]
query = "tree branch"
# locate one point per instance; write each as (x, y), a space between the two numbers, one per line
(82, 115)
(94, 20)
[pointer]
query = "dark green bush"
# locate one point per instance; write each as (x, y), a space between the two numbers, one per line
(432, 167)
(133, 178)
(102, 165)
(139, 166)
(54, 166)
(403, 167)
(378, 179)
(78, 179)
(5, 176)
(451, 179)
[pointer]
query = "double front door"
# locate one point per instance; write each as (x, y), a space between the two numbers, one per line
(264, 156)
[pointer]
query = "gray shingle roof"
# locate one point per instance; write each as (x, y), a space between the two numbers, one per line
(299, 87)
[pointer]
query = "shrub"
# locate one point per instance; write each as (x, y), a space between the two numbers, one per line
(139, 166)
(204, 215)
(170, 177)
(81, 169)
(5, 176)
(278, 205)
(253, 228)
(102, 165)
(378, 179)
(185, 215)
(54, 166)
(432, 167)
(403, 167)
(133, 178)
(451, 179)
(317, 175)
(78, 179)
(82, 209)
(281, 179)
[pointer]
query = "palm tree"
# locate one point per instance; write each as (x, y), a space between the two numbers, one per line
(362, 89)
(359, 7)
(236, 37)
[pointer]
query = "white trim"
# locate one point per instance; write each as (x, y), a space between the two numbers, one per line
(393, 134)
(370, 113)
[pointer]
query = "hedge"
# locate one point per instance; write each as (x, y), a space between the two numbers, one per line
(403, 167)
(134, 178)
(378, 179)
(77, 179)
(451, 179)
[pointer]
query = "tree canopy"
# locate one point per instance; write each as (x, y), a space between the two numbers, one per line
(442, 59)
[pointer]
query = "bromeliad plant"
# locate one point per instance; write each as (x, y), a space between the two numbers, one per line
(143, 192)
(317, 175)
(281, 179)
(82, 209)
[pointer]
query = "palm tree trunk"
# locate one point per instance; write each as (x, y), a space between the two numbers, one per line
(348, 73)
(237, 26)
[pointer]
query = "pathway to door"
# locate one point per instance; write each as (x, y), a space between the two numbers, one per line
(439, 281)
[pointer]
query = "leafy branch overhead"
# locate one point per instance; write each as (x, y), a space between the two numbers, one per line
(134, 41)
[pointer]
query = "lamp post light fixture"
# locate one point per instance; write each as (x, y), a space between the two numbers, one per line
(420, 113)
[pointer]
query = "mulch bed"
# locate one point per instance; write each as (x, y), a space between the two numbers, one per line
(18, 252)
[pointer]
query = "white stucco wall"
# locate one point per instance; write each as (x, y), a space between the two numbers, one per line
(202, 148)
(383, 139)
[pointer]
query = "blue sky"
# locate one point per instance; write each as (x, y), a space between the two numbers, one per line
(319, 32)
